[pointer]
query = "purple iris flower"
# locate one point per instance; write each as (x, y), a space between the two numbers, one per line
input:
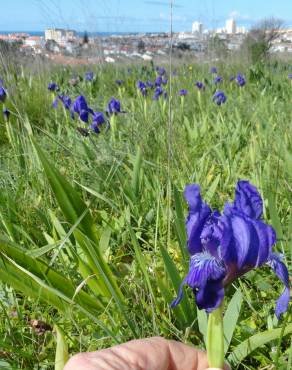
(114, 106)
(52, 86)
(240, 80)
(80, 106)
(64, 99)
(141, 85)
(161, 71)
(158, 92)
(164, 81)
(219, 97)
(2, 94)
(150, 84)
(231, 78)
(183, 92)
(225, 246)
(88, 76)
(290, 76)
(158, 81)
(97, 121)
(119, 82)
(214, 70)
(200, 85)
(217, 79)
(6, 113)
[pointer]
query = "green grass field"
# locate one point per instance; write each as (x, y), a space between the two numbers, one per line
(92, 229)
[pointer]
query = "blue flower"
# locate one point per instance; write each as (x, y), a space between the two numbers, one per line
(213, 70)
(80, 106)
(97, 121)
(200, 85)
(52, 86)
(219, 97)
(240, 80)
(183, 92)
(64, 99)
(119, 82)
(217, 80)
(161, 71)
(225, 246)
(158, 92)
(158, 81)
(2, 94)
(231, 78)
(150, 84)
(290, 76)
(114, 106)
(141, 85)
(88, 76)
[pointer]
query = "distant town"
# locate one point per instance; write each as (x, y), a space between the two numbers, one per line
(66, 46)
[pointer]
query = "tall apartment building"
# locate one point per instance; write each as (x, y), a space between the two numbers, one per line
(230, 26)
(59, 35)
(197, 27)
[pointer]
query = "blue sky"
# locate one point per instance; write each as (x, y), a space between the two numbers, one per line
(135, 15)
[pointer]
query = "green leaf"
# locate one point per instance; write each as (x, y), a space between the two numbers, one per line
(276, 222)
(135, 183)
(202, 323)
(230, 318)
(180, 225)
(62, 355)
(248, 346)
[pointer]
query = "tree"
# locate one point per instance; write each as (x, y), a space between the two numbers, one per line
(259, 40)
(217, 47)
(141, 47)
(85, 39)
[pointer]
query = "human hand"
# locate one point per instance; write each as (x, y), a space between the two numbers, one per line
(144, 354)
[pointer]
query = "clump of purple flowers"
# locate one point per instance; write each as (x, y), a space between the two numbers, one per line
(231, 78)
(2, 94)
(114, 106)
(52, 86)
(217, 79)
(240, 80)
(142, 87)
(183, 92)
(214, 70)
(224, 246)
(200, 85)
(219, 97)
(88, 76)
(119, 82)
(65, 99)
(81, 108)
(97, 120)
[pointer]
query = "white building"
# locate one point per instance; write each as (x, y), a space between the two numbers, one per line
(59, 35)
(197, 27)
(241, 29)
(230, 26)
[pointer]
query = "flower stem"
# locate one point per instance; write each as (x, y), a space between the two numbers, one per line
(215, 339)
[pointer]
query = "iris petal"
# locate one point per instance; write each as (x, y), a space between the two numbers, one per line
(248, 200)
(205, 277)
(197, 217)
(281, 271)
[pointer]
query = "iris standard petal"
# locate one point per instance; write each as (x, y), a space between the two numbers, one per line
(246, 243)
(281, 271)
(248, 200)
(204, 270)
(199, 212)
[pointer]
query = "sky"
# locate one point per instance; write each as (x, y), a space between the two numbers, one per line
(136, 15)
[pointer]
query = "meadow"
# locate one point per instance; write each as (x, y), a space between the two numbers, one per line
(92, 219)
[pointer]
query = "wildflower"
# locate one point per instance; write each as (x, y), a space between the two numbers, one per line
(119, 82)
(158, 92)
(217, 80)
(150, 84)
(213, 70)
(174, 72)
(64, 99)
(183, 92)
(161, 71)
(52, 86)
(114, 106)
(219, 97)
(290, 76)
(80, 106)
(88, 76)
(141, 85)
(164, 81)
(225, 246)
(2, 94)
(158, 81)
(6, 113)
(200, 85)
(97, 121)
(231, 78)
(240, 80)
